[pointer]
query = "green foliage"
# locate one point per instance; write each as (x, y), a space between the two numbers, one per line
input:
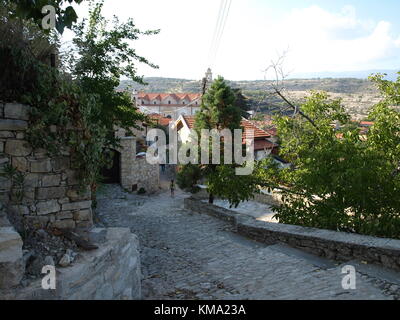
(141, 191)
(77, 114)
(218, 111)
(32, 11)
(104, 56)
(341, 180)
(188, 177)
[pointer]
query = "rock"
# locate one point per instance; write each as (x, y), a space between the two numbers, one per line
(49, 261)
(64, 224)
(77, 205)
(16, 111)
(34, 265)
(20, 163)
(65, 261)
(47, 207)
(17, 148)
(13, 125)
(12, 266)
(50, 193)
(51, 180)
(41, 166)
(83, 215)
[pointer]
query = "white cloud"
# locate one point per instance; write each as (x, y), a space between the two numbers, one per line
(318, 40)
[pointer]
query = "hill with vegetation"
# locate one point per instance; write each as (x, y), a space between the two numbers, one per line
(358, 95)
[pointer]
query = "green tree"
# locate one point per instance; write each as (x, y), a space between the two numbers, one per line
(219, 111)
(102, 56)
(340, 180)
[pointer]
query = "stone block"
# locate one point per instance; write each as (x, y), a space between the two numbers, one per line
(20, 163)
(83, 215)
(31, 180)
(61, 164)
(72, 177)
(64, 224)
(11, 263)
(77, 195)
(47, 207)
(18, 148)
(52, 180)
(77, 205)
(41, 166)
(13, 125)
(5, 183)
(20, 210)
(50, 193)
(2, 146)
(16, 111)
(6, 134)
(64, 215)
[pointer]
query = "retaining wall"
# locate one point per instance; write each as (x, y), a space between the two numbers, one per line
(334, 245)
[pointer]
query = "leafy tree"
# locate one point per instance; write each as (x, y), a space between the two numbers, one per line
(32, 10)
(218, 111)
(102, 56)
(341, 180)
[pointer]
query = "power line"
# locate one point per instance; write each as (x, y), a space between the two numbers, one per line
(218, 41)
(216, 29)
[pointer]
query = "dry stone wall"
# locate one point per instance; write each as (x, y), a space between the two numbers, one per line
(333, 245)
(50, 190)
(137, 173)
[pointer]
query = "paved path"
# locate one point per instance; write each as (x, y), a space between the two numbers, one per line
(192, 256)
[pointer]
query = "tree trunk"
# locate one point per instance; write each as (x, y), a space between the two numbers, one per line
(211, 198)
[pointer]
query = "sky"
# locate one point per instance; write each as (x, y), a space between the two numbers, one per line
(316, 36)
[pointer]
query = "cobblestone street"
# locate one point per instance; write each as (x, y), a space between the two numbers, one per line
(191, 256)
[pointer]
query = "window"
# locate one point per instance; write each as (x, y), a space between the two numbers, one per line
(142, 102)
(169, 102)
(155, 102)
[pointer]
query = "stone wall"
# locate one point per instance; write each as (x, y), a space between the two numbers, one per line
(137, 173)
(334, 245)
(110, 272)
(50, 188)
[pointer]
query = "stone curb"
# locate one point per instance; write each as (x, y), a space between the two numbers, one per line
(333, 245)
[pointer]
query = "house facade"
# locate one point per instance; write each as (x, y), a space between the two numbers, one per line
(169, 105)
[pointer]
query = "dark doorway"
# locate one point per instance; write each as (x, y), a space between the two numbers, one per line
(113, 174)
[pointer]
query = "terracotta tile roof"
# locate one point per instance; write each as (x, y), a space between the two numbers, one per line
(162, 96)
(160, 119)
(258, 133)
(263, 144)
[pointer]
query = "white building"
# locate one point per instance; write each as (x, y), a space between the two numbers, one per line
(171, 105)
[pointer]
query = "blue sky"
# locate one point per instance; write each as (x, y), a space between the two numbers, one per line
(318, 35)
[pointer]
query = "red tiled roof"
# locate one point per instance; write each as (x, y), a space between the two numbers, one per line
(258, 133)
(162, 96)
(160, 119)
(263, 144)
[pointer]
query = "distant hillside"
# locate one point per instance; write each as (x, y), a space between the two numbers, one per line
(358, 94)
